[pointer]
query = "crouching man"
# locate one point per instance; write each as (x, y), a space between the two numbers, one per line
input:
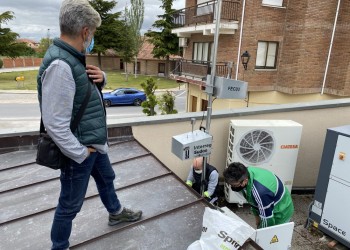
(211, 181)
(270, 200)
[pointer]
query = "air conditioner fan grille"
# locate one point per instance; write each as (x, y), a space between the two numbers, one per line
(256, 147)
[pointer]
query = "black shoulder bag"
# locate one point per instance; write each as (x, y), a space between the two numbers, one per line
(48, 153)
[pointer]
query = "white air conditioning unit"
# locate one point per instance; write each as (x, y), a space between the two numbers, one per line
(182, 42)
(277, 3)
(269, 144)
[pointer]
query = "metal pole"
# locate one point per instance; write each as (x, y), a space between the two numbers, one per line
(212, 85)
(240, 40)
(48, 37)
(330, 47)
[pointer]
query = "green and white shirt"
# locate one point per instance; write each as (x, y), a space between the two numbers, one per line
(269, 198)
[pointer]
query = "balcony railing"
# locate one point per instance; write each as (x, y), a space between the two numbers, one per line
(206, 13)
(200, 69)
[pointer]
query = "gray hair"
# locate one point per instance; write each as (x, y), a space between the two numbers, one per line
(77, 14)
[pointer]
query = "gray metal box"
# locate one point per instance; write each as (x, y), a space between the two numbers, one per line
(329, 211)
(191, 145)
(230, 89)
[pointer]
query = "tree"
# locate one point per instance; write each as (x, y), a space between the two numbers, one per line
(165, 43)
(8, 45)
(27, 51)
(44, 45)
(134, 17)
(107, 36)
(167, 103)
(149, 87)
(126, 50)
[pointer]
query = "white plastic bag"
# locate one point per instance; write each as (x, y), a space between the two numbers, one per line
(221, 232)
(195, 245)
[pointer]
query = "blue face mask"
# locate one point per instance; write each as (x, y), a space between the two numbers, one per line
(90, 47)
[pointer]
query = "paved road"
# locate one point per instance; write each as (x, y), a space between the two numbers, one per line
(17, 105)
(24, 106)
(19, 112)
(3, 70)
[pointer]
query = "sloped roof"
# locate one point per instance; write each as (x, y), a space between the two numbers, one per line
(145, 52)
(172, 212)
(24, 40)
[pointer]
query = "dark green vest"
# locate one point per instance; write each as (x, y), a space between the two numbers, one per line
(92, 128)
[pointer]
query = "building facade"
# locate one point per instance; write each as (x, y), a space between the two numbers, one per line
(146, 63)
(30, 43)
(298, 50)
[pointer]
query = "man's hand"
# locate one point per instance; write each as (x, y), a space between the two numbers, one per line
(206, 194)
(95, 73)
(189, 183)
(90, 150)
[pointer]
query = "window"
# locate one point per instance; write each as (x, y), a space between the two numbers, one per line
(121, 64)
(194, 104)
(161, 68)
(273, 2)
(266, 55)
(138, 67)
(118, 92)
(204, 9)
(204, 105)
(130, 92)
(202, 1)
(202, 52)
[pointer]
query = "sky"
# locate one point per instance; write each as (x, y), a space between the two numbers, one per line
(36, 19)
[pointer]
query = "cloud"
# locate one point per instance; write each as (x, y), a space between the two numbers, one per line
(36, 19)
(33, 18)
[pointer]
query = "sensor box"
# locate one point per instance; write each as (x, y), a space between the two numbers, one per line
(230, 89)
(191, 145)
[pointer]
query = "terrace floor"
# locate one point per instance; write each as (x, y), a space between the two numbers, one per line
(172, 212)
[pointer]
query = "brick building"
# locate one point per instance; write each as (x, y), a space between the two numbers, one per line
(146, 63)
(289, 43)
(29, 42)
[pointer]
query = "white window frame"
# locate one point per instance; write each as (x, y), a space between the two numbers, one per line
(202, 52)
(273, 3)
(266, 55)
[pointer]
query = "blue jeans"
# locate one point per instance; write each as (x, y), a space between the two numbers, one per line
(74, 182)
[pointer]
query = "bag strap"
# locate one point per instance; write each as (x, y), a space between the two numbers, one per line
(81, 111)
(79, 115)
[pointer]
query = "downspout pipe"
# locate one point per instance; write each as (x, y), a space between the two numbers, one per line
(330, 48)
(240, 40)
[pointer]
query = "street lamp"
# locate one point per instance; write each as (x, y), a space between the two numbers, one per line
(245, 59)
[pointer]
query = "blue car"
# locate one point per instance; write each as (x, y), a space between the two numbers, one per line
(124, 96)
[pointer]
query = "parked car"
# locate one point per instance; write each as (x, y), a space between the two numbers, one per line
(124, 96)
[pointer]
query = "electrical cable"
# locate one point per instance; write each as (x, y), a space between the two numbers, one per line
(200, 125)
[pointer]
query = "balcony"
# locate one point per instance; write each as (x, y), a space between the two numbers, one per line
(201, 18)
(196, 71)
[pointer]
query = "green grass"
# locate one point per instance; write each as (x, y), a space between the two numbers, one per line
(7, 80)
(115, 79)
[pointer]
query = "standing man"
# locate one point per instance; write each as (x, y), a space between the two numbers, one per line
(63, 81)
(270, 200)
(211, 181)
